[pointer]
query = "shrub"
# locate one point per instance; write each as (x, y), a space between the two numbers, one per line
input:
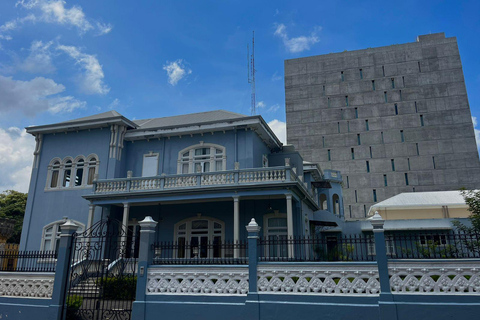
(118, 288)
(73, 305)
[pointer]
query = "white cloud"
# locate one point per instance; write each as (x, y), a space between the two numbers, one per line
(115, 103)
(34, 96)
(176, 71)
(280, 129)
(104, 28)
(477, 131)
(16, 156)
(14, 24)
(39, 59)
(261, 104)
(91, 82)
(276, 76)
(297, 44)
(273, 108)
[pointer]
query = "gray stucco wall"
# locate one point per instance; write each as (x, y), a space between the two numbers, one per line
(440, 154)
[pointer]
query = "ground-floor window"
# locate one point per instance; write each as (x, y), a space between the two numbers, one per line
(276, 233)
(200, 237)
(51, 235)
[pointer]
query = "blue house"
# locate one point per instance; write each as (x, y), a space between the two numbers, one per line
(202, 176)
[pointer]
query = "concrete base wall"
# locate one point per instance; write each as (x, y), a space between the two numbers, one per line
(27, 308)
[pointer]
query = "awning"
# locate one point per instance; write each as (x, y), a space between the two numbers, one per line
(415, 225)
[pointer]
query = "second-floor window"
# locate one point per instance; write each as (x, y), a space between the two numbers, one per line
(202, 158)
(70, 173)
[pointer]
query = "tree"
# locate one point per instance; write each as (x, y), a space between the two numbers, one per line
(472, 199)
(12, 206)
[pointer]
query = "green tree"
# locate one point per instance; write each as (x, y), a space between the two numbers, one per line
(472, 199)
(12, 206)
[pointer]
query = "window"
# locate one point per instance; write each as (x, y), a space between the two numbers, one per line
(71, 173)
(385, 182)
(383, 141)
(67, 173)
(350, 210)
(406, 179)
(368, 166)
(366, 125)
(328, 102)
(54, 174)
(418, 151)
(343, 78)
(323, 201)
(348, 126)
(433, 160)
(336, 204)
(150, 165)
(323, 90)
(348, 183)
(202, 158)
(393, 164)
(396, 109)
(416, 109)
(419, 68)
(374, 195)
(353, 153)
(373, 85)
(371, 154)
(338, 127)
(51, 235)
(276, 229)
(323, 142)
(356, 113)
(264, 160)
(393, 83)
(346, 101)
(389, 245)
(385, 96)
(421, 120)
(200, 237)
(433, 239)
(329, 155)
(402, 137)
(408, 162)
(358, 139)
(356, 197)
(383, 70)
(365, 210)
(361, 74)
(400, 95)
(403, 81)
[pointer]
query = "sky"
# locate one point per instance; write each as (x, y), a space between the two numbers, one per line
(61, 60)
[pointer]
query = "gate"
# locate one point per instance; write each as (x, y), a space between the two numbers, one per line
(102, 275)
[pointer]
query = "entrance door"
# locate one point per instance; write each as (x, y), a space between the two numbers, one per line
(199, 238)
(133, 241)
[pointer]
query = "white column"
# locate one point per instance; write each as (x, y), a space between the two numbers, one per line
(289, 223)
(126, 211)
(91, 214)
(236, 224)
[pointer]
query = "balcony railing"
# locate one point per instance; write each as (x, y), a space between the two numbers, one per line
(196, 180)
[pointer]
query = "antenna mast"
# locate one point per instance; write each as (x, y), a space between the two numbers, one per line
(251, 72)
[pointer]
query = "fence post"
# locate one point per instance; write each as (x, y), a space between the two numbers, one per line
(252, 302)
(61, 271)
(387, 307)
(145, 257)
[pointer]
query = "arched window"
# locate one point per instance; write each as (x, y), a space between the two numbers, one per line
(323, 202)
(67, 173)
(200, 237)
(79, 166)
(336, 204)
(51, 235)
(92, 164)
(54, 173)
(276, 231)
(204, 157)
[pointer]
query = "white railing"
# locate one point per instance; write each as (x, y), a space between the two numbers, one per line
(319, 279)
(235, 177)
(435, 276)
(197, 281)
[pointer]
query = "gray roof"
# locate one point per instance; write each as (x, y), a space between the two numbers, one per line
(188, 119)
(104, 115)
(422, 199)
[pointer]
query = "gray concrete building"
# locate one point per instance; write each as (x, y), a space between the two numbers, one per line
(392, 119)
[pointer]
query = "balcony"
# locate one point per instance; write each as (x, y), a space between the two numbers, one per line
(258, 176)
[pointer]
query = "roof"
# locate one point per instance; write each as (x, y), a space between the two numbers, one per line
(187, 119)
(421, 199)
(402, 225)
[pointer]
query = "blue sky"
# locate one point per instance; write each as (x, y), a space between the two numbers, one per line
(61, 60)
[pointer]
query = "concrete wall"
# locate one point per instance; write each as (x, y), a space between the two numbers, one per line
(428, 79)
(419, 213)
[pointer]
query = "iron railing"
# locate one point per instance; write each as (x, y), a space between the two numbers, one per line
(28, 261)
(330, 248)
(207, 252)
(454, 245)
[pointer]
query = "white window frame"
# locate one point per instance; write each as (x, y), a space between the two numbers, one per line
(150, 155)
(212, 159)
(389, 246)
(87, 164)
(91, 164)
(423, 240)
(210, 233)
(56, 231)
(267, 229)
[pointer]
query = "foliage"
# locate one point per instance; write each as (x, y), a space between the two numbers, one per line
(12, 206)
(433, 249)
(472, 199)
(118, 288)
(73, 305)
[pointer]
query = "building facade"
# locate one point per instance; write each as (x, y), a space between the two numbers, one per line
(392, 119)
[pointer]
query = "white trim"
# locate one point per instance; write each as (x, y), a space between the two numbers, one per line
(150, 155)
(212, 157)
(73, 171)
(55, 233)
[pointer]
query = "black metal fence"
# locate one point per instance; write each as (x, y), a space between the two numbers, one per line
(330, 248)
(28, 261)
(454, 245)
(203, 252)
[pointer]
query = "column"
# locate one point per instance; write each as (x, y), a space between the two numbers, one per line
(252, 303)
(236, 225)
(91, 215)
(289, 224)
(126, 211)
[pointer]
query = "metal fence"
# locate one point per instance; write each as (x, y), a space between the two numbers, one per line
(28, 261)
(455, 245)
(330, 248)
(200, 252)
